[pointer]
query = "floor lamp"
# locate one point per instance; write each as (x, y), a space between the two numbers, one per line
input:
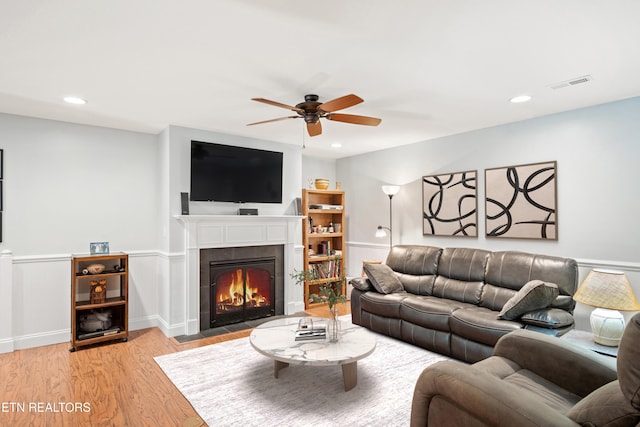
(389, 190)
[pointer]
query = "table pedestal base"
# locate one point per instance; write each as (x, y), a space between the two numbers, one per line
(349, 373)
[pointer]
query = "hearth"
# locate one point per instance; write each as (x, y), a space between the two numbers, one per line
(240, 283)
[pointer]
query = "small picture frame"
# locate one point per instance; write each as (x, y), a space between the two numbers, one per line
(99, 248)
(1, 163)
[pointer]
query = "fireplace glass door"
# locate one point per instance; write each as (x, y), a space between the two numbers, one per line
(242, 290)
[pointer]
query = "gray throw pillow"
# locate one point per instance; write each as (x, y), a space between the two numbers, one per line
(383, 278)
(534, 295)
(361, 283)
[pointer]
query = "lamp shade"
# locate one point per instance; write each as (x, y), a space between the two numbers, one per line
(390, 190)
(381, 232)
(607, 289)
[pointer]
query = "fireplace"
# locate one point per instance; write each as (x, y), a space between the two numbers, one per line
(242, 290)
(240, 283)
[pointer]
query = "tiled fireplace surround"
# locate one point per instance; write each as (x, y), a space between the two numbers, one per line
(233, 231)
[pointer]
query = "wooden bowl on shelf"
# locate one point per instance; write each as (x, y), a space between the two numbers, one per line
(322, 184)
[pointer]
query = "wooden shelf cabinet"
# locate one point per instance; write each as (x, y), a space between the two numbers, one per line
(323, 237)
(103, 317)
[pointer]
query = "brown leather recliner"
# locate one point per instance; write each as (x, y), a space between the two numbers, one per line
(534, 380)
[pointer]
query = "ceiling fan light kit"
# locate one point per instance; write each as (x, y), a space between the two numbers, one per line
(312, 110)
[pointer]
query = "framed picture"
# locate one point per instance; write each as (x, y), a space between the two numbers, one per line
(521, 201)
(450, 204)
(1, 163)
(1, 209)
(99, 248)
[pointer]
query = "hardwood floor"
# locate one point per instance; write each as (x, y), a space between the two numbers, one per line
(113, 384)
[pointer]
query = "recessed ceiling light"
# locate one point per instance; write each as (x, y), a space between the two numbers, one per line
(336, 145)
(520, 98)
(74, 100)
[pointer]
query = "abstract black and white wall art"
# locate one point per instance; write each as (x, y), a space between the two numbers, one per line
(521, 201)
(450, 204)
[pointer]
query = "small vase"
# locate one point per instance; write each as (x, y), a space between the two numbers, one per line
(333, 325)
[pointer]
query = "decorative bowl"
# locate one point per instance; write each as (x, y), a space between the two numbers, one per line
(95, 268)
(322, 184)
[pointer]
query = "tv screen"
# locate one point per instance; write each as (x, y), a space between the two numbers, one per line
(225, 173)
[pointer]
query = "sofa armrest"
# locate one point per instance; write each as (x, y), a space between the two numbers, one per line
(573, 368)
(452, 390)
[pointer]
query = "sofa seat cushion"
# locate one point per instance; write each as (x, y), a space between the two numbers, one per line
(386, 305)
(481, 325)
(534, 385)
(429, 312)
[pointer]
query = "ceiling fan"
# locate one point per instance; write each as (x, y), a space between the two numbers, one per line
(311, 110)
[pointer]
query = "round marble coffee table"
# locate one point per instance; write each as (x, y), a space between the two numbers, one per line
(276, 340)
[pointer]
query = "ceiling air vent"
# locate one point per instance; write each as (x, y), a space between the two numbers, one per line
(572, 82)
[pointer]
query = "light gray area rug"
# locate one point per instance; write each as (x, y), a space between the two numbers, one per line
(230, 384)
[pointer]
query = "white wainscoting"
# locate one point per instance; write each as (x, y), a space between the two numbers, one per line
(37, 308)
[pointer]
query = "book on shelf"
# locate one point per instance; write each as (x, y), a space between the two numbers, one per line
(326, 270)
(325, 206)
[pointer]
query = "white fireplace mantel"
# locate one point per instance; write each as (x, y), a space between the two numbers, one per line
(223, 231)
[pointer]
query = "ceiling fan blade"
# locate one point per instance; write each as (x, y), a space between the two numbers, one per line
(350, 118)
(314, 129)
(340, 103)
(278, 104)
(273, 120)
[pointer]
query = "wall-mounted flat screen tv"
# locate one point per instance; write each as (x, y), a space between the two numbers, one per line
(225, 173)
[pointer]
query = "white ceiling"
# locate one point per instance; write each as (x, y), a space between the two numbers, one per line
(428, 68)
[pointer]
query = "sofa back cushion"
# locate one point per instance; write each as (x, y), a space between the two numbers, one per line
(461, 274)
(628, 362)
(508, 271)
(416, 266)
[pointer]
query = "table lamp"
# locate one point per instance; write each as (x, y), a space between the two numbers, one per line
(608, 291)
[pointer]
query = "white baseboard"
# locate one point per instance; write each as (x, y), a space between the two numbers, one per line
(41, 339)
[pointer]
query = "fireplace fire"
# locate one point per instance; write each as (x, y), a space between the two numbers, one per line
(242, 290)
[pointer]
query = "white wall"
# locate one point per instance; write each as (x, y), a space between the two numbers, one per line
(67, 185)
(597, 153)
(314, 167)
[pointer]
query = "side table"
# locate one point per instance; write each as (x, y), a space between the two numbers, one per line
(585, 339)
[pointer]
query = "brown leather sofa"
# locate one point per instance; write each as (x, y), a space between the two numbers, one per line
(534, 380)
(450, 300)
